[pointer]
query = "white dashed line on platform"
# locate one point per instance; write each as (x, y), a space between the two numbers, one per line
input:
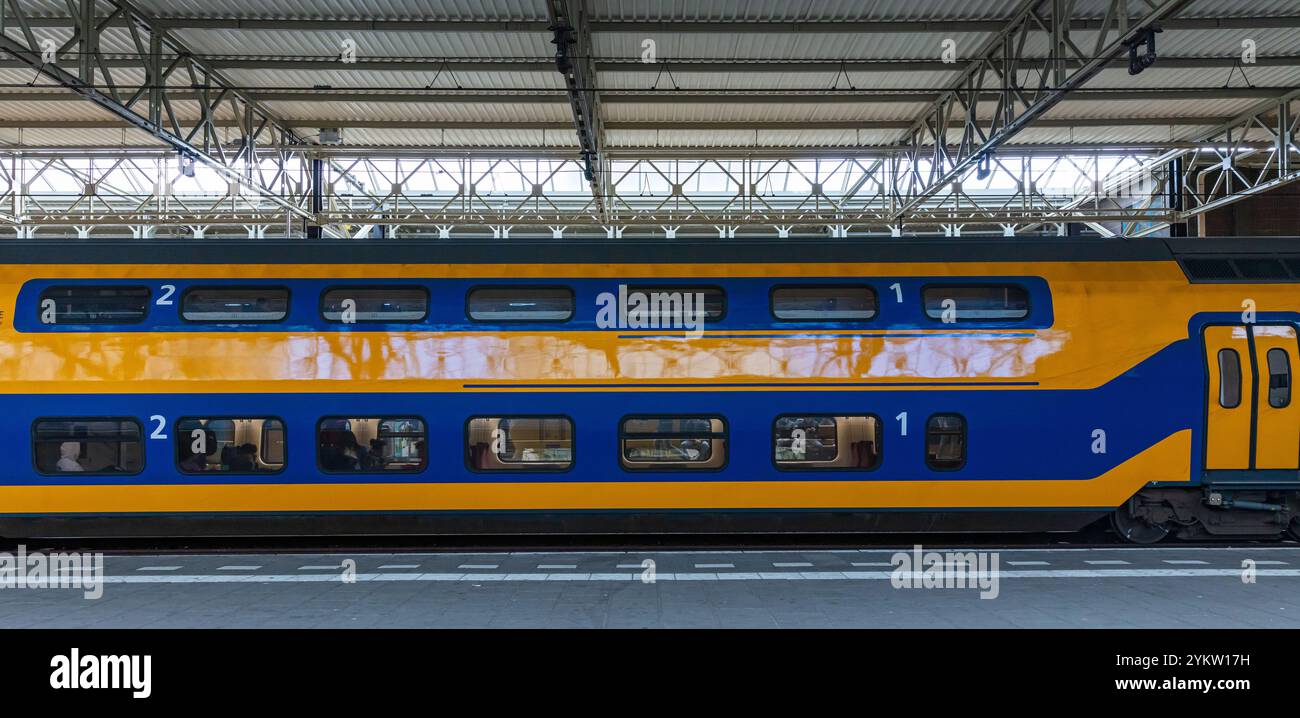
(1028, 563)
(159, 568)
(715, 565)
(1272, 563)
(1159, 573)
(555, 566)
(630, 565)
(790, 564)
(1186, 562)
(400, 565)
(875, 564)
(1108, 562)
(320, 568)
(478, 566)
(238, 568)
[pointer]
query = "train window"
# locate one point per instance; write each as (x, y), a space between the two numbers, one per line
(235, 304)
(826, 442)
(671, 442)
(976, 304)
(945, 442)
(1229, 378)
(380, 444)
(824, 304)
(272, 445)
(94, 305)
(665, 305)
(519, 443)
(229, 446)
(375, 304)
(1279, 378)
(520, 304)
(88, 446)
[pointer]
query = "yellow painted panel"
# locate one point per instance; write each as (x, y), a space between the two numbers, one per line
(1228, 430)
(1168, 460)
(1278, 437)
(1109, 316)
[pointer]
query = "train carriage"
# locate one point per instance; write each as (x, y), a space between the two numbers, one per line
(806, 385)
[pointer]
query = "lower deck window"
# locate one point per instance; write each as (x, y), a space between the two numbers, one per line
(826, 442)
(519, 443)
(670, 443)
(379, 444)
(945, 442)
(230, 446)
(88, 446)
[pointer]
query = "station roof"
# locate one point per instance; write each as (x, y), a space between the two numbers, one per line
(728, 75)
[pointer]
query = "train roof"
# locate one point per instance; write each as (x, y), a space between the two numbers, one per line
(793, 250)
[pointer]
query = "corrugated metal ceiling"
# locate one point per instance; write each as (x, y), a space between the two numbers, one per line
(514, 121)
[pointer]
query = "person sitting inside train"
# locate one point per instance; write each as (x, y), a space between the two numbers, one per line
(341, 455)
(374, 458)
(192, 463)
(68, 453)
(244, 458)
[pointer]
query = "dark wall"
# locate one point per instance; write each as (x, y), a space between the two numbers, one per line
(1269, 214)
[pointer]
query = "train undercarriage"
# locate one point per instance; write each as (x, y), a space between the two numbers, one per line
(1155, 514)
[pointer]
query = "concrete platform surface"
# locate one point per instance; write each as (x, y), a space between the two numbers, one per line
(1178, 587)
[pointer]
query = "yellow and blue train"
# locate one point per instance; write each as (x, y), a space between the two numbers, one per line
(164, 388)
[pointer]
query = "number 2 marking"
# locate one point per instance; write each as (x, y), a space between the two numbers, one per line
(158, 430)
(166, 299)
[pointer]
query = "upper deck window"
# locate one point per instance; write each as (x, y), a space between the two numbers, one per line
(665, 306)
(235, 304)
(990, 303)
(824, 304)
(348, 305)
(520, 304)
(94, 305)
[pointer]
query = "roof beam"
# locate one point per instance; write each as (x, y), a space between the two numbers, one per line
(614, 125)
(671, 97)
(1001, 64)
(573, 59)
(148, 107)
(679, 66)
(829, 27)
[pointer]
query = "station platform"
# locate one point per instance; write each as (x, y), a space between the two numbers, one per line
(1164, 587)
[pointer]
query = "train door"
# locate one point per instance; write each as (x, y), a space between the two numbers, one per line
(1251, 421)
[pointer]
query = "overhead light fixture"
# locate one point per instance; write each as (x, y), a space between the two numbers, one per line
(1139, 62)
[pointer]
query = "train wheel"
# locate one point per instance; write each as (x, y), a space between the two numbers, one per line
(1135, 529)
